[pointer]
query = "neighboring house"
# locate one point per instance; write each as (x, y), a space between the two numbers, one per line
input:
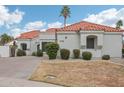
(86, 36)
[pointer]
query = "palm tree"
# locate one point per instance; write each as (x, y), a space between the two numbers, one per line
(5, 39)
(65, 12)
(119, 24)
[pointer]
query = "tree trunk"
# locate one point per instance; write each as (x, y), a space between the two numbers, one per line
(56, 36)
(12, 51)
(64, 21)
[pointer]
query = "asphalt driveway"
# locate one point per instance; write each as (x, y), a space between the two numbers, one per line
(18, 67)
(15, 71)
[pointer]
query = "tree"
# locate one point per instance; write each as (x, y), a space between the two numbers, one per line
(51, 50)
(5, 39)
(65, 12)
(119, 24)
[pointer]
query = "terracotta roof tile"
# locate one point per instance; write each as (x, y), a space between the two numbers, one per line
(29, 35)
(52, 30)
(88, 26)
(85, 26)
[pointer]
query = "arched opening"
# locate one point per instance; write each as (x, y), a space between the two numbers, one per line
(91, 42)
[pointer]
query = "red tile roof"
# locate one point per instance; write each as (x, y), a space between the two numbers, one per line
(87, 26)
(29, 35)
(52, 30)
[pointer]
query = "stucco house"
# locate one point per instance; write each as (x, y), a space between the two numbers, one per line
(86, 36)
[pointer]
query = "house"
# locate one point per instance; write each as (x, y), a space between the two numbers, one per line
(95, 38)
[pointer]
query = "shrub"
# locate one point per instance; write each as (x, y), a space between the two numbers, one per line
(34, 54)
(87, 55)
(105, 57)
(51, 50)
(39, 53)
(64, 53)
(76, 53)
(21, 52)
(123, 51)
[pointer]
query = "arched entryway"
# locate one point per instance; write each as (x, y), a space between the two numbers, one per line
(91, 42)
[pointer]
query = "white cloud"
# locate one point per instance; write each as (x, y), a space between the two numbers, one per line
(68, 24)
(16, 32)
(8, 18)
(55, 25)
(37, 25)
(34, 25)
(42, 30)
(107, 17)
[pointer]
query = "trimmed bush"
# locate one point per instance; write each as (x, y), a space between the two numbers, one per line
(21, 52)
(39, 53)
(87, 55)
(34, 54)
(105, 57)
(65, 54)
(76, 53)
(123, 51)
(51, 50)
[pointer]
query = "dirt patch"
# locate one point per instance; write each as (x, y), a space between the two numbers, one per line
(80, 73)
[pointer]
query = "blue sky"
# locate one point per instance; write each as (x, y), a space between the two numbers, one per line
(21, 18)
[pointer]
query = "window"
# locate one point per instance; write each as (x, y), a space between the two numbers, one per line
(24, 46)
(91, 42)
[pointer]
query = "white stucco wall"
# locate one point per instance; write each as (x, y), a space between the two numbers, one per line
(99, 42)
(28, 42)
(31, 44)
(4, 51)
(107, 43)
(112, 44)
(69, 41)
(98, 34)
(34, 43)
(46, 37)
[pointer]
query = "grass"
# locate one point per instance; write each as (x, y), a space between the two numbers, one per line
(80, 73)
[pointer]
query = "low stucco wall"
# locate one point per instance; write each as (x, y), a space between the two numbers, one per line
(4, 51)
